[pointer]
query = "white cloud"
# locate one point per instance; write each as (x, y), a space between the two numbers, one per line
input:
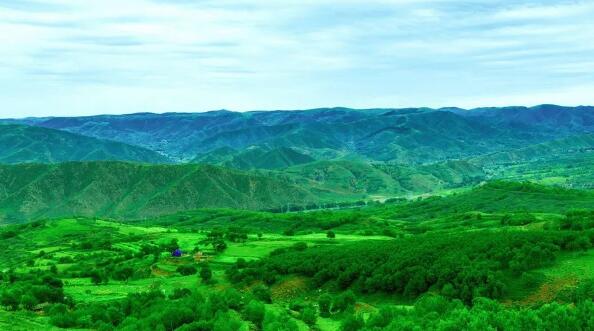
(65, 57)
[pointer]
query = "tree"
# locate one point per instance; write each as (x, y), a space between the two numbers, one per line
(10, 299)
(262, 293)
(300, 246)
(186, 270)
(279, 322)
(241, 263)
(205, 273)
(179, 293)
(581, 242)
(448, 290)
(28, 301)
(309, 315)
(173, 317)
(172, 245)
(123, 273)
(97, 277)
(343, 301)
(233, 298)
(254, 312)
(219, 245)
(325, 303)
(330, 234)
(352, 323)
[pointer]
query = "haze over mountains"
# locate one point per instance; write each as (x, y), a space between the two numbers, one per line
(275, 159)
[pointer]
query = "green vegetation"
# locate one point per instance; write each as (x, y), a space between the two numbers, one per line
(125, 190)
(384, 179)
(434, 264)
(19, 144)
(333, 219)
(255, 158)
(403, 136)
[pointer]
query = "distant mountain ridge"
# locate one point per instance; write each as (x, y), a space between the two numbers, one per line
(407, 136)
(30, 144)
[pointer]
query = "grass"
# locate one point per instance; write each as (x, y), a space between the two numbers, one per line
(24, 321)
(579, 265)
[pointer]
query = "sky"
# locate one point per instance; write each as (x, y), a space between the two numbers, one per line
(71, 58)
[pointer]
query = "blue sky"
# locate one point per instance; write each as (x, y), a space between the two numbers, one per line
(65, 57)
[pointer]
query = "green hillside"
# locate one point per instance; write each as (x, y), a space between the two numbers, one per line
(255, 158)
(573, 171)
(20, 144)
(127, 190)
(544, 151)
(501, 197)
(115, 189)
(346, 177)
(565, 162)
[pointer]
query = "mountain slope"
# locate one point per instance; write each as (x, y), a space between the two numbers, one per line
(544, 151)
(19, 144)
(348, 177)
(115, 189)
(255, 158)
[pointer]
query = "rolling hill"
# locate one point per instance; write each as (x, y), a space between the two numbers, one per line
(22, 144)
(118, 190)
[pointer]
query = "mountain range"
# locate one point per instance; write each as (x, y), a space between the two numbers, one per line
(406, 136)
(62, 166)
